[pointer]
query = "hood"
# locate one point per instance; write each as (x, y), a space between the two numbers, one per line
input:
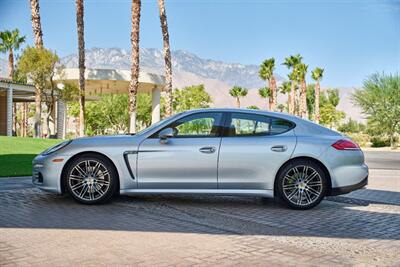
(106, 140)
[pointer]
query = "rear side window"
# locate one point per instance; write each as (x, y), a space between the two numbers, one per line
(244, 124)
(279, 126)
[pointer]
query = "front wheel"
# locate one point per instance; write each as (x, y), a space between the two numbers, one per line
(91, 179)
(302, 184)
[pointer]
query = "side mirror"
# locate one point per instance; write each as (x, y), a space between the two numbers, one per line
(165, 134)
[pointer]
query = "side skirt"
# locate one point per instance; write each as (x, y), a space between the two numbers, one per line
(263, 193)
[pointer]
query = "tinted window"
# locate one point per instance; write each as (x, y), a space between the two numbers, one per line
(280, 126)
(198, 125)
(242, 124)
(248, 124)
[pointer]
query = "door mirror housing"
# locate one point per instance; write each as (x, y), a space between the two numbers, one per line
(165, 134)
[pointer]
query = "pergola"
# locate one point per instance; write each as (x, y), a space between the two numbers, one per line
(12, 92)
(116, 81)
(97, 83)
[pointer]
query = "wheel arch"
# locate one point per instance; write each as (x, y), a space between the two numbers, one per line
(316, 161)
(64, 169)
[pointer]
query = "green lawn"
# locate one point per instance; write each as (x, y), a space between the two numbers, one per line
(17, 153)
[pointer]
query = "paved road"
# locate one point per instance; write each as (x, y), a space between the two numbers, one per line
(383, 160)
(41, 229)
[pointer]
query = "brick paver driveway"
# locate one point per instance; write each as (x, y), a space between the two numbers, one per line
(362, 228)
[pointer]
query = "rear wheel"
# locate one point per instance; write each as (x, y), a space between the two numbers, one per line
(302, 184)
(91, 179)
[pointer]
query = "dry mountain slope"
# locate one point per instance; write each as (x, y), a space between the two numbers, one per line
(189, 69)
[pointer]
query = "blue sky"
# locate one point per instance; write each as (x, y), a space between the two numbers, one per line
(349, 39)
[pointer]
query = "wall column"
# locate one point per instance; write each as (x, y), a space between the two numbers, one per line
(9, 109)
(155, 96)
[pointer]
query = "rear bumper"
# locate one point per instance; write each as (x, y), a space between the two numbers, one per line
(349, 188)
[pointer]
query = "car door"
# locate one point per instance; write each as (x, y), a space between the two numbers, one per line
(188, 160)
(253, 148)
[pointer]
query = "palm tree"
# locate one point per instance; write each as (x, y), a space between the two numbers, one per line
(265, 92)
(267, 74)
(81, 63)
(238, 92)
(285, 88)
(292, 62)
(36, 25)
(10, 41)
(302, 71)
(281, 107)
(167, 58)
(317, 74)
(37, 32)
(134, 83)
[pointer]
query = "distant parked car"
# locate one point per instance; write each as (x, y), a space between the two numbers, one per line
(210, 151)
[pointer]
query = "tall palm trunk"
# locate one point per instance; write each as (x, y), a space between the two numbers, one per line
(11, 76)
(238, 102)
(11, 64)
(270, 99)
(36, 25)
(15, 118)
(167, 57)
(303, 100)
(37, 32)
(134, 83)
(317, 93)
(274, 94)
(38, 111)
(292, 97)
(81, 53)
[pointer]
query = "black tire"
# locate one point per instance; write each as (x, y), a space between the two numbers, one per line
(101, 186)
(305, 197)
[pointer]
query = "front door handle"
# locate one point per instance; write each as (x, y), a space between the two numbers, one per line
(280, 148)
(207, 150)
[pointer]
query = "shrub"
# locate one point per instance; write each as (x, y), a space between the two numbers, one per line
(379, 141)
(352, 126)
(382, 141)
(361, 139)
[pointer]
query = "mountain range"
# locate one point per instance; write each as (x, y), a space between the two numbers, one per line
(189, 69)
(182, 61)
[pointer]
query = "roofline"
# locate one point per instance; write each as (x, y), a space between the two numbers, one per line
(254, 111)
(9, 81)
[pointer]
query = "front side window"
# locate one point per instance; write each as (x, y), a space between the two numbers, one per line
(198, 125)
(242, 124)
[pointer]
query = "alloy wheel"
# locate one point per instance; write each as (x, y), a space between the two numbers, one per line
(302, 185)
(89, 180)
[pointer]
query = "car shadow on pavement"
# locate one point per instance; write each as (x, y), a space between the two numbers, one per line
(365, 197)
(31, 208)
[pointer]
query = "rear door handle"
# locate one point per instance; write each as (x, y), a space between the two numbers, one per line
(280, 148)
(207, 150)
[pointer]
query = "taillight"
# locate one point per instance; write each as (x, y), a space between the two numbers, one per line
(345, 145)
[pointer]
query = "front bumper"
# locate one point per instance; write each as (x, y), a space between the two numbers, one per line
(46, 173)
(349, 188)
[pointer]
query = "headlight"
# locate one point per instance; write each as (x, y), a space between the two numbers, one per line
(55, 148)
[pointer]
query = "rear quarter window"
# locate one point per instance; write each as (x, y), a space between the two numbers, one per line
(279, 126)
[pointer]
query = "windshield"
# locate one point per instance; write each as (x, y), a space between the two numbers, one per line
(155, 125)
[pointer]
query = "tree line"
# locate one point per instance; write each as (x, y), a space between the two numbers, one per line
(11, 40)
(297, 100)
(379, 99)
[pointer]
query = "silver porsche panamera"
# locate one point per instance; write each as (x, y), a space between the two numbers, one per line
(209, 151)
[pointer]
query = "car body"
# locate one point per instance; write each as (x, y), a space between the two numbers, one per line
(210, 151)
